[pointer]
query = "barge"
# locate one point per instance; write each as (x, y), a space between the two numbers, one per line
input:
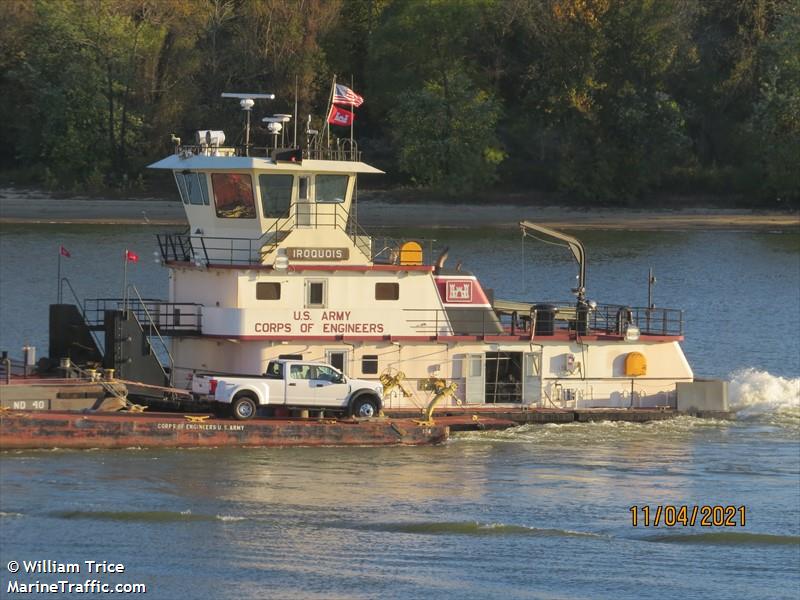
(21, 430)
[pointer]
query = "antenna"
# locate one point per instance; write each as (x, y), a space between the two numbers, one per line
(275, 126)
(294, 144)
(246, 101)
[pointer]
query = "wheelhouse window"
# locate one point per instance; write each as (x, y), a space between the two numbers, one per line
(179, 180)
(330, 188)
(197, 187)
(276, 195)
(268, 290)
(315, 294)
(369, 364)
(193, 187)
(387, 291)
(233, 195)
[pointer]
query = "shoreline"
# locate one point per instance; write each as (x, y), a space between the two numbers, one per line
(34, 207)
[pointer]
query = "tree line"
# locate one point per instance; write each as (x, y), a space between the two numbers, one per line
(596, 100)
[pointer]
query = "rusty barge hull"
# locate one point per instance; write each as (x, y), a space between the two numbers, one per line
(22, 430)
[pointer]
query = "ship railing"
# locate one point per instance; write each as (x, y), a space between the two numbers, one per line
(12, 368)
(205, 250)
(607, 319)
(438, 322)
(341, 149)
(65, 281)
(602, 319)
(613, 319)
(150, 324)
(168, 318)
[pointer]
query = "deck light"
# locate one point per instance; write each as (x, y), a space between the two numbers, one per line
(281, 263)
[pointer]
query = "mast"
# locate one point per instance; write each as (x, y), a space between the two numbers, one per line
(330, 104)
(294, 143)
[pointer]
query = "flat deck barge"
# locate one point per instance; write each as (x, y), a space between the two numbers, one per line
(62, 429)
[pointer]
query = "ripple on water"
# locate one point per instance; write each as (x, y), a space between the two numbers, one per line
(146, 516)
(474, 528)
(726, 538)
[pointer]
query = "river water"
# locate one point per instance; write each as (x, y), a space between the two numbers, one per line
(533, 512)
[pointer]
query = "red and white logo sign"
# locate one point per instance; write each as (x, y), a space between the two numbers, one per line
(459, 290)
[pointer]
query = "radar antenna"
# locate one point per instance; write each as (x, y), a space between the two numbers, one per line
(246, 101)
(275, 127)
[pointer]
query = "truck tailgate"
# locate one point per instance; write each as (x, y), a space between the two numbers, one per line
(200, 384)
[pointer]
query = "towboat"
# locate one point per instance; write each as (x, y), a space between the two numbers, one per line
(274, 265)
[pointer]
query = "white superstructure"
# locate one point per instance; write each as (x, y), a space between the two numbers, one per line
(274, 265)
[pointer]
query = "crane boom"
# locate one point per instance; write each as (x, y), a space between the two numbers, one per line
(575, 246)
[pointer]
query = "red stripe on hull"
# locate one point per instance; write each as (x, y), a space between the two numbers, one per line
(301, 267)
(559, 336)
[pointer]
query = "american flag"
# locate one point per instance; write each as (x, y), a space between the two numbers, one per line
(344, 95)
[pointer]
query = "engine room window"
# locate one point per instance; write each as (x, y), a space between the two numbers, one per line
(276, 195)
(268, 290)
(330, 188)
(233, 196)
(369, 364)
(387, 291)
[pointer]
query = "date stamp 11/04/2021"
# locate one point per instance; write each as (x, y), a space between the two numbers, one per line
(673, 515)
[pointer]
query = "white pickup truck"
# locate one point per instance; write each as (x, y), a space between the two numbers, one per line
(291, 383)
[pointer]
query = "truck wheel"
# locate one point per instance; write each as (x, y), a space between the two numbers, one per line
(243, 408)
(364, 406)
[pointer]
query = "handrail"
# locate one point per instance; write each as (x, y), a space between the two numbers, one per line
(315, 151)
(607, 319)
(184, 247)
(154, 327)
(81, 306)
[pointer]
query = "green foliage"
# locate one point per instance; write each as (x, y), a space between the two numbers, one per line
(595, 76)
(442, 121)
(598, 99)
(776, 118)
(445, 136)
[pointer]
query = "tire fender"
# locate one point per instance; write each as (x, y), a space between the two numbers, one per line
(357, 394)
(244, 390)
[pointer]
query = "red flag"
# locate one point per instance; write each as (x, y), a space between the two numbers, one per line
(340, 116)
(344, 95)
(131, 256)
(64, 252)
